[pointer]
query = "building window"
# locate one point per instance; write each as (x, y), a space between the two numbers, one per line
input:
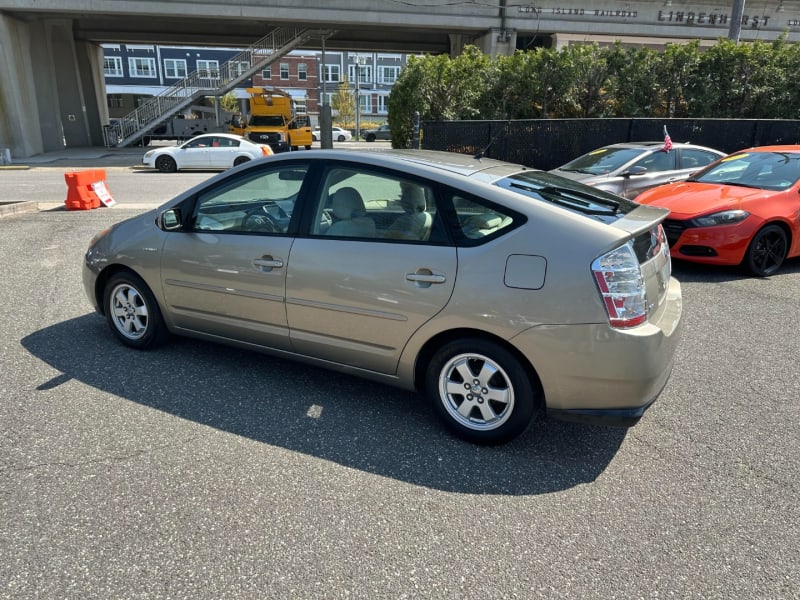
(284, 70)
(208, 68)
(364, 73)
(302, 71)
(174, 68)
(365, 103)
(382, 105)
(331, 73)
(115, 101)
(388, 75)
(142, 67)
(238, 67)
(112, 66)
(266, 73)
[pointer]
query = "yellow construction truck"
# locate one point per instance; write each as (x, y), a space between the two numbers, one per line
(274, 120)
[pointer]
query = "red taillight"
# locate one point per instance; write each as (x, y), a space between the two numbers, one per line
(619, 279)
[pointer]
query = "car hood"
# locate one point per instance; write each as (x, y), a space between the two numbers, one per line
(689, 199)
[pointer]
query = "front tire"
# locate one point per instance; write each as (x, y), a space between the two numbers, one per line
(340, 138)
(166, 164)
(370, 137)
(767, 251)
(481, 391)
(132, 312)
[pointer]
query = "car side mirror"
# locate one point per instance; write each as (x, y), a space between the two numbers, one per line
(170, 220)
(634, 171)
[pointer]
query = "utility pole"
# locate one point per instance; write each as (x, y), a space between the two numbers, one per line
(325, 136)
(358, 60)
(736, 20)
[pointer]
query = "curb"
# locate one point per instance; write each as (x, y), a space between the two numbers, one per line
(14, 167)
(8, 209)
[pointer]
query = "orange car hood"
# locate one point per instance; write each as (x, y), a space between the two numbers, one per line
(686, 200)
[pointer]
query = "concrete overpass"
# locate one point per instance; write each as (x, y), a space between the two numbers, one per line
(52, 91)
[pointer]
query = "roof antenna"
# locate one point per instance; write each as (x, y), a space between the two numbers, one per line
(482, 153)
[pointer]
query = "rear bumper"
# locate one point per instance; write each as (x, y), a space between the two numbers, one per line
(599, 374)
(613, 417)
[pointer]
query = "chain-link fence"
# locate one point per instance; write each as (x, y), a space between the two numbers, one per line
(549, 143)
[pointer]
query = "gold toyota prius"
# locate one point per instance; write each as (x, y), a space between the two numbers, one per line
(499, 291)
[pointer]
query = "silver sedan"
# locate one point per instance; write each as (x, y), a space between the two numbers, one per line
(500, 292)
(631, 168)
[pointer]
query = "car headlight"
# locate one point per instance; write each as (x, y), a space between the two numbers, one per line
(725, 217)
(149, 153)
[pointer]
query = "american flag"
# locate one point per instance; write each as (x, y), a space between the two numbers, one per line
(667, 140)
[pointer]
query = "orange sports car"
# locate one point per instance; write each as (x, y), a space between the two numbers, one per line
(742, 209)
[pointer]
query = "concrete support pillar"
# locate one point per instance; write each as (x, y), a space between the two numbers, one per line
(55, 91)
(66, 89)
(498, 42)
(19, 124)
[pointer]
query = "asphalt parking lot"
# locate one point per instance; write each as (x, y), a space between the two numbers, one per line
(198, 471)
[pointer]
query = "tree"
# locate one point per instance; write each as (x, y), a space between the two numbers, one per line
(229, 103)
(590, 69)
(342, 102)
(677, 71)
(633, 84)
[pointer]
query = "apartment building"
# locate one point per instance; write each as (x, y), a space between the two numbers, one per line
(134, 72)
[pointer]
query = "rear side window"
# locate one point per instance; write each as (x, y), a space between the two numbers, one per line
(657, 161)
(365, 204)
(475, 221)
(692, 158)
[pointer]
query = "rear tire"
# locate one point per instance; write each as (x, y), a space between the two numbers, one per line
(481, 391)
(132, 312)
(240, 160)
(370, 137)
(767, 251)
(166, 164)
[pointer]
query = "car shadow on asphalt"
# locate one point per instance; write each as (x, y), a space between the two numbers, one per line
(353, 422)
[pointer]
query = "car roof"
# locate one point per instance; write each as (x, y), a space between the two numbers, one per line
(783, 148)
(659, 144)
(465, 165)
(220, 134)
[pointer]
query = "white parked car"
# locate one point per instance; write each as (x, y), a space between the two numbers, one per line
(338, 134)
(207, 151)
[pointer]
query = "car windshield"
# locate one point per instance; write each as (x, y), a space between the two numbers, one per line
(602, 160)
(762, 170)
(568, 194)
(266, 121)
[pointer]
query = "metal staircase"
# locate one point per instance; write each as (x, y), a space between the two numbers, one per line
(277, 43)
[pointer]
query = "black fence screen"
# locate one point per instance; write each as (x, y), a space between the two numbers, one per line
(549, 143)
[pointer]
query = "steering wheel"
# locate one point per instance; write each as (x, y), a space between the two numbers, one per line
(260, 221)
